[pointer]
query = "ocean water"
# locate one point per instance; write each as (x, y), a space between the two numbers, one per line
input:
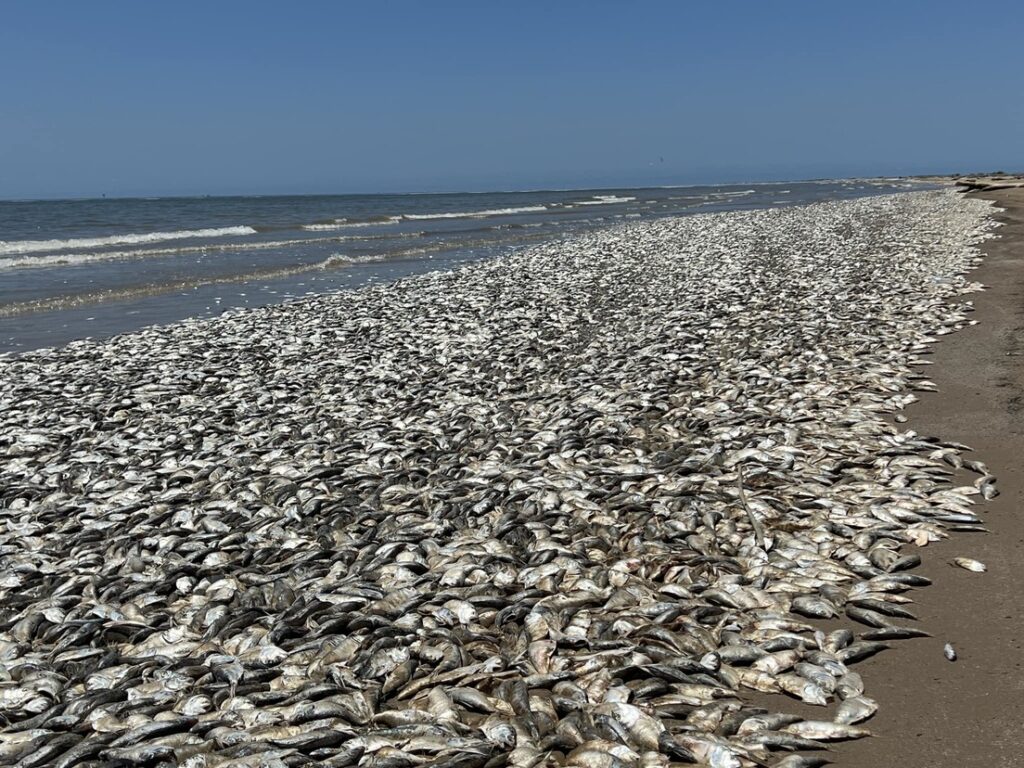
(71, 269)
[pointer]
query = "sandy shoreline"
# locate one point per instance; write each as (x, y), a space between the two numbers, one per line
(970, 713)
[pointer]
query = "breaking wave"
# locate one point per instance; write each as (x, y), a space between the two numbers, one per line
(475, 214)
(68, 259)
(606, 200)
(733, 194)
(327, 226)
(71, 259)
(36, 246)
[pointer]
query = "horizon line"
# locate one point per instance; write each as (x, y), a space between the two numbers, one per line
(485, 191)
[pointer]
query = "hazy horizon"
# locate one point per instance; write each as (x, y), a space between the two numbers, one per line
(457, 192)
(128, 100)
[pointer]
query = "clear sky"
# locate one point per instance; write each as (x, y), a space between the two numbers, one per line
(148, 98)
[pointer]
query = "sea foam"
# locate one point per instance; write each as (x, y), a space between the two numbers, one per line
(36, 246)
(346, 224)
(476, 214)
(606, 200)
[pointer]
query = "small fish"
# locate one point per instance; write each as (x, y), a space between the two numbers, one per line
(801, 761)
(867, 616)
(821, 730)
(850, 685)
(893, 633)
(986, 483)
(560, 508)
(855, 709)
(970, 565)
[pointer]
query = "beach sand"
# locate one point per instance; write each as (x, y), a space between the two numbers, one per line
(968, 713)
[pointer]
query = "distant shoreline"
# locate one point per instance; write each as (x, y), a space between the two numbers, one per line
(941, 178)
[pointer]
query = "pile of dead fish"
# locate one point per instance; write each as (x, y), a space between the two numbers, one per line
(576, 506)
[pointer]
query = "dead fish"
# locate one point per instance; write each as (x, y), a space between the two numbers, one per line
(822, 730)
(142, 754)
(561, 507)
(893, 633)
(855, 709)
(867, 616)
(986, 483)
(970, 565)
(815, 607)
(801, 761)
(850, 685)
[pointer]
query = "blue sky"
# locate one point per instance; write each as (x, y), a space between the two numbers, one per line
(139, 98)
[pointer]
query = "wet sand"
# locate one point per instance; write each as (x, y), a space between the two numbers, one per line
(969, 713)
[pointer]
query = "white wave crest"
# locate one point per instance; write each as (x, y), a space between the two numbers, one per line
(340, 260)
(475, 214)
(346, 224)
(733, 194)
(31, 261)
(606, 200)
(36, 246)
